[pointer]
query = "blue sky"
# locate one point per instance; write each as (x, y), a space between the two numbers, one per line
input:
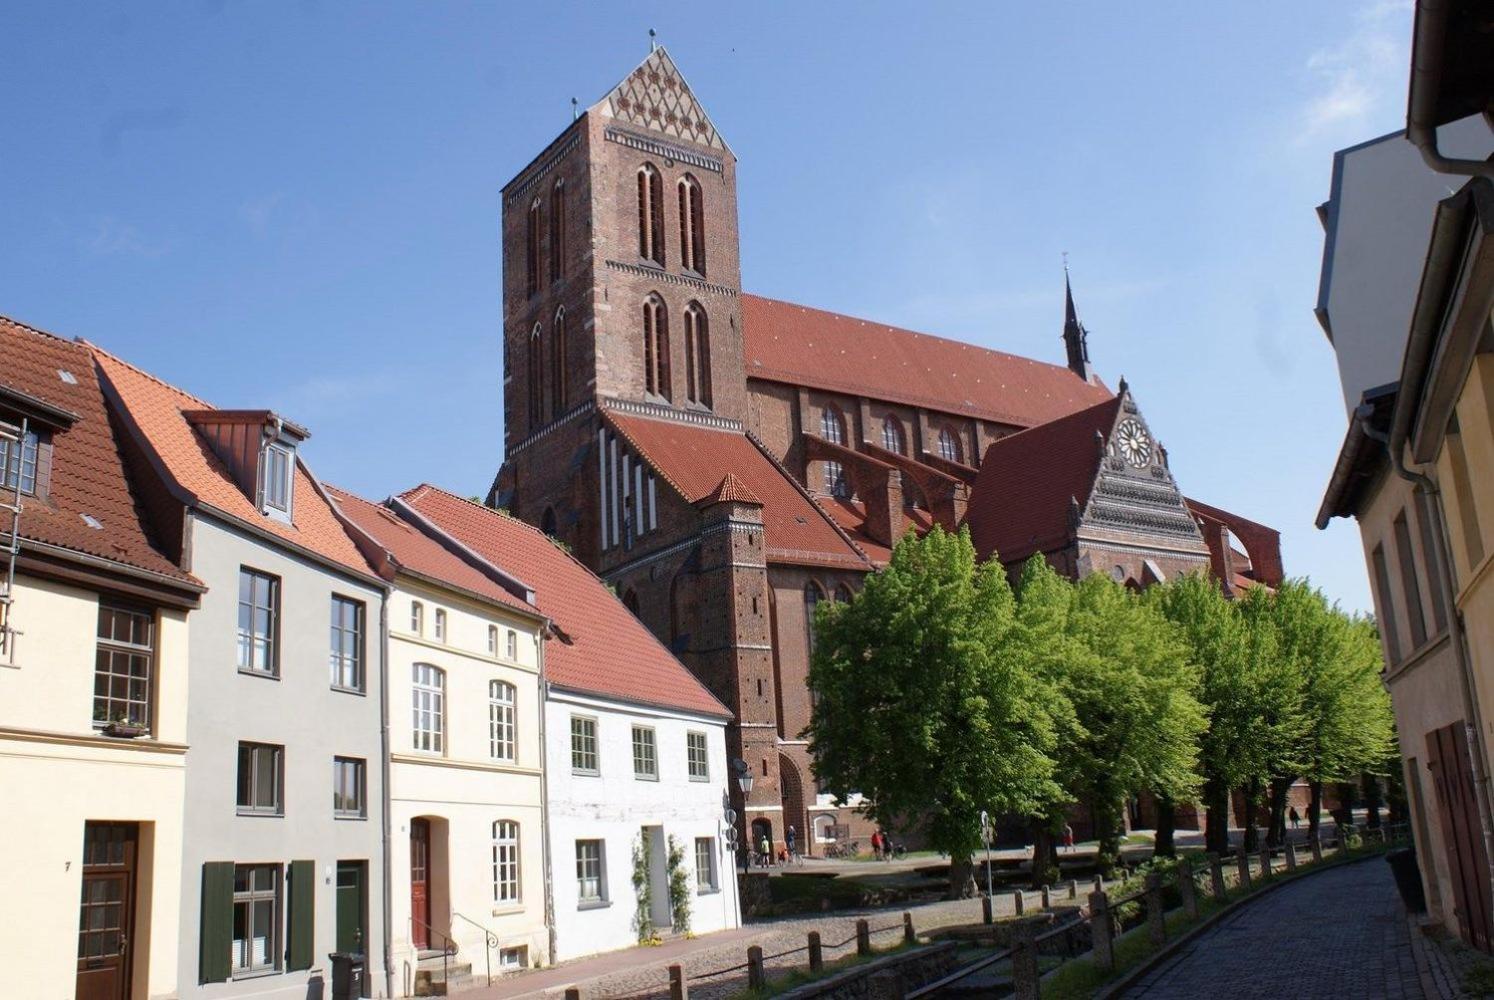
(296, 205)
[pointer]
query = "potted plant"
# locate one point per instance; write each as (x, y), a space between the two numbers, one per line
(122, 727)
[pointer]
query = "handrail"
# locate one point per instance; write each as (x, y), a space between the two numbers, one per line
(490, 940)
(447, 950)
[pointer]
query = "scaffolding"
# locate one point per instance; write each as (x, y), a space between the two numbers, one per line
(11, 471)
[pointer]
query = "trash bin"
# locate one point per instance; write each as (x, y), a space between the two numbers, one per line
(347, 975)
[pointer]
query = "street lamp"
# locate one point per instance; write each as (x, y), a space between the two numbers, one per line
(744, 782)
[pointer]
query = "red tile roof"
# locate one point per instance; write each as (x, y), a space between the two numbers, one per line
(88, 475)
(158, 408)
(419, 553)
(851, 516)
(1021, 500)
(693, 458)
(801, 346)
(732, 490)
(603, 650)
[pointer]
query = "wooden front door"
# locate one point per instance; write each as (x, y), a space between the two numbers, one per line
(351, 936)
(420, 882)
(105, 917)
(1462, 836)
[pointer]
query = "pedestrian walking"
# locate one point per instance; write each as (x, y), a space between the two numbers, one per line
(1068, 838)
(876, 842)
(886, 846)
(1292, 815)
(790, 839)
(765, 849)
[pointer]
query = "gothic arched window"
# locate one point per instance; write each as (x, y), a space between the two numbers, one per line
(813, 595)
(837, 483)
(892, 434)
(558, 371)
(536, 386)
(656, 347)
(557, 229)
(949, 446)
(843, 594)
(832, 425)
(692, 225)
(697, 355)
(532, 248)
(651, 214)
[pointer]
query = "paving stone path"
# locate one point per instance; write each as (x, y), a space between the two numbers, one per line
(1338, 934)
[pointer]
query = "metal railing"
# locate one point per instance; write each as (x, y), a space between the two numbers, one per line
(490, 941)
(448, 948)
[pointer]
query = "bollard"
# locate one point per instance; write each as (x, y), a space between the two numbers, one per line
(1187, 891)
(677, 990)
(1291, 857)
(1242, 862)
(1047, 898)
(863, 938)
(1216, 878)
(756, 980)
(1019, 901)
(1073, 889)
(1024, 964)
(1100, 930)
(1156, 921)
(908, 927)
(885, 985)
(816, 953)
(1316, 841)
(1265, 862)
(985, 909)
(1099, 883)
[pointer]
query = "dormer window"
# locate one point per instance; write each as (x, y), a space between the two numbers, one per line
(19, 453)
(258, 449)
(277, 486)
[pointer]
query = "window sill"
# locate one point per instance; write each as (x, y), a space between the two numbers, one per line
(651, 264)
(260, 814)
(353, 817)
(594, 904)
(509, 909)
(715, 890)
(263, 675)
(586, 774)
(645, 777)
(360, 692)
(256, 974)
(700, 779)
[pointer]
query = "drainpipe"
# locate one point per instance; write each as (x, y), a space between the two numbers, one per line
(1427, 50)
(1441, 561)
(544, 689)
(384, 765)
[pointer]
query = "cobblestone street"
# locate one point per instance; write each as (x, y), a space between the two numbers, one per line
(1339, 934)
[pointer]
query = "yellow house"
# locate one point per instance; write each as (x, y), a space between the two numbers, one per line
(468, 892)
(93, 694)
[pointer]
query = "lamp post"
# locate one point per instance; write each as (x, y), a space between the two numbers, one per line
(744, 783)
(985, 835)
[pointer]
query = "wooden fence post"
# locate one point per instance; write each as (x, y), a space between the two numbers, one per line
(1099, 883)
(1291, 856)
(985, 909)
(1156, 920)
(1187, 890)
(1216, 877)
(1024, 964)
(863, 938)
(1242, 862)
(677, 988)
(1047, 898)
(1265, 862)
(756, 980)
(1100, 929)
(816, 953)
(1019, 901)
(908, 935)
(1073, 888)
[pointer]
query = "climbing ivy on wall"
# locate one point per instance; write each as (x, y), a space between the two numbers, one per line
(643, 919)
(679, 887)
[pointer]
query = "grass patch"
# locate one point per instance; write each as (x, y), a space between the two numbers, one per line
(915, 855)
(801, 977)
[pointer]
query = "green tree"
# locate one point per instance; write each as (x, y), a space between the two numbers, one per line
(921, 704)
(1125, 673)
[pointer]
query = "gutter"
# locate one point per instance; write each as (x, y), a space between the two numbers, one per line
(544, 688)
(1428, 45)
(384, 765)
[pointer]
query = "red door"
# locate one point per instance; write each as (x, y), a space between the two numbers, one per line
(420, 882)
(105, 911)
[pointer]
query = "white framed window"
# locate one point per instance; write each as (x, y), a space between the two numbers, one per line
(349, 788)
(492, 640)
(261, 780)
(259, 615)
(584, 745)
(347, 644)
(892, 434)
(505, 861)
(949, 446)
(122, 667)
(705, 865)
(591, 872)
(645, 754)
(511, 959)
(511, 645)
(18, 461)
(429, 701)
(417, 617)
(277, 478)
(502, 732)
(440, 632)
(832, 427)
(697, 757)
(256, 919)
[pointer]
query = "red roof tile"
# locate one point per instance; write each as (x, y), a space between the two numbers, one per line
(732, 490)
(419, 553)
(801, 346)
(158, 408)
(88, 475)
(851, 516)
(693, 458)
(1021, 500)
(604, 650)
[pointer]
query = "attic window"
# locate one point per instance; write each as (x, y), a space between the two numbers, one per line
(277, 478)
(19, 453)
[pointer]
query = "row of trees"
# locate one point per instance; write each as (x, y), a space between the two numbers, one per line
(943, 691)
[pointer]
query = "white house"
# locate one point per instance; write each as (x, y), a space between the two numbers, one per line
(465, 776)
(635, 750)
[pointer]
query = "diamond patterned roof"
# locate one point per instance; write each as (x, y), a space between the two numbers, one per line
(655, 96)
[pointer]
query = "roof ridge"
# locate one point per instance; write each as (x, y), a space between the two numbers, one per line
(97, 350)
(496, 512)
(64, 341)
(1048, 424)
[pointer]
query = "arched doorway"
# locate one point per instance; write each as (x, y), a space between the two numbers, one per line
(761, 828)
(791, 784)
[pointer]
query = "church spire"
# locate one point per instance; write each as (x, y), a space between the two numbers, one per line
(1075, 337)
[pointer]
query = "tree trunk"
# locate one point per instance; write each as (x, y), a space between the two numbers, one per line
(1044, 852)
(1344, 814)
(961, 877)
(1167, 823)
(1372, 800)
(1252, 800)
(1107, 818)
(1216, 829)
(1281, 788)
(1314, 808)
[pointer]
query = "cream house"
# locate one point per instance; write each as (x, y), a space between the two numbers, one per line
(93, 695)
(468, 887)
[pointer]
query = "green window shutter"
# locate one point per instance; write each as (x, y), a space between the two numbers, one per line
(215, 942)
(302, 915)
